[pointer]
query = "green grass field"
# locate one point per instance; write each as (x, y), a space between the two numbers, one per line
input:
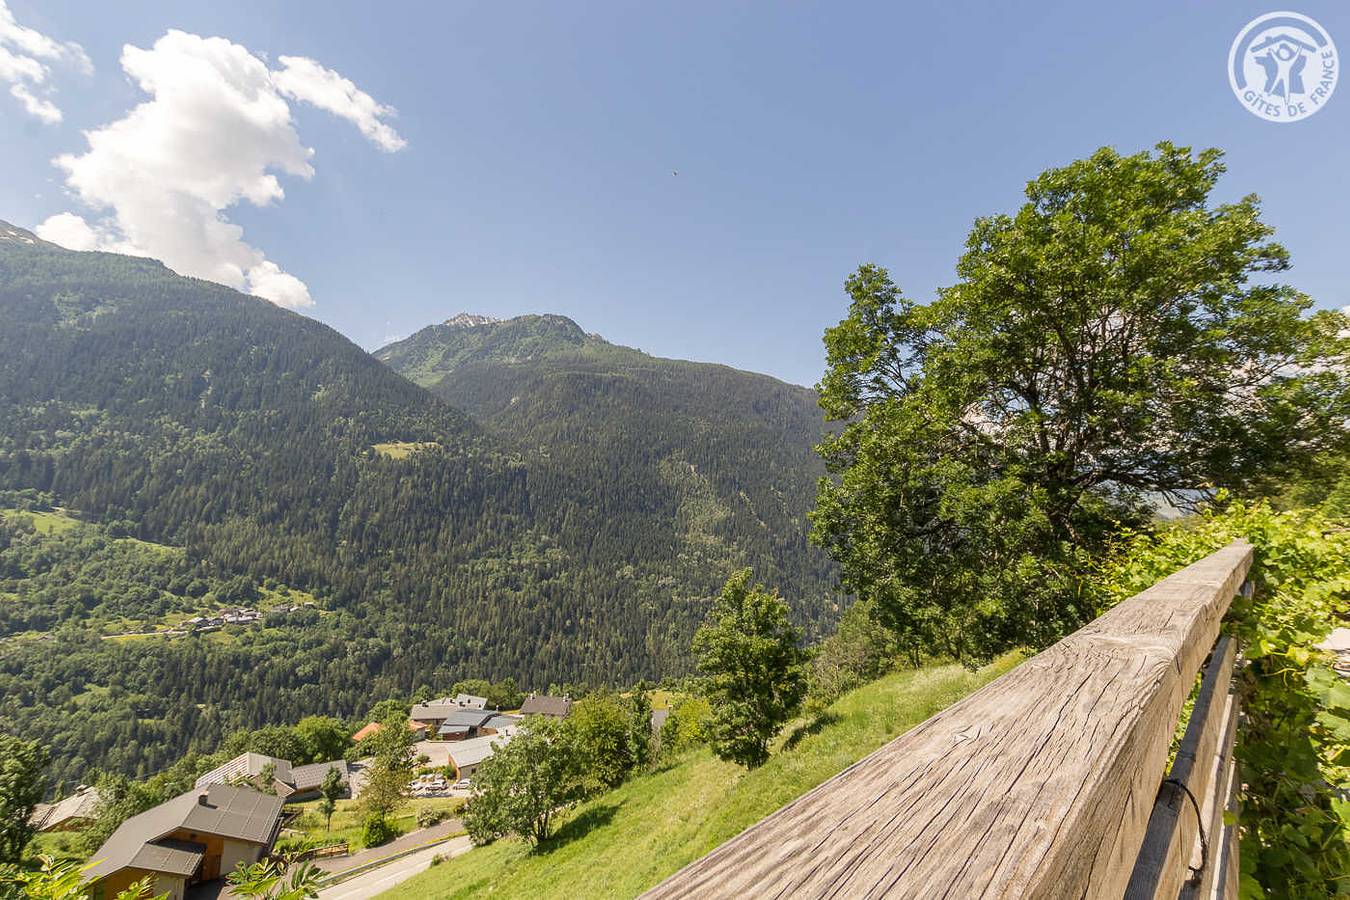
(348, 818)
(627, 840)
(402, 449)
(43, 522)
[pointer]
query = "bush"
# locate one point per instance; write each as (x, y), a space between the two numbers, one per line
(862, 649)
(428, 816)
(687, 725)
(295, 844)
(377, 831)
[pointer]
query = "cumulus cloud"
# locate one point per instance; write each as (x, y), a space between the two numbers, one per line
(73, 232)
(304, 79)
(24, 57)
(216, 131)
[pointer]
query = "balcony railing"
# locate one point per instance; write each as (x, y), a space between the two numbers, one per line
(1052, 781)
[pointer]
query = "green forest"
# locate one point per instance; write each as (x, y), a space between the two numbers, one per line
(180, 413)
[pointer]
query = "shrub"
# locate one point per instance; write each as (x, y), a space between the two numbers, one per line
(428, 816)
(687, 725)
(377, 831)
(862, 649)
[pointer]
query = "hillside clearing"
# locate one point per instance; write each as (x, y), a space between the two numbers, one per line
(53, 522)
(656, 823)
(402, 449)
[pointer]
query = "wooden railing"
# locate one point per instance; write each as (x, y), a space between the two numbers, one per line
(1051, 781)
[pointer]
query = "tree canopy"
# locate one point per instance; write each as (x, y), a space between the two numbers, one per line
(22, 783)
(521, 788)
(1117, 340)
(755, 669)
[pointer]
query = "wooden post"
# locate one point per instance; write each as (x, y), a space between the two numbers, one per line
(1040, 784)
(1179, 821)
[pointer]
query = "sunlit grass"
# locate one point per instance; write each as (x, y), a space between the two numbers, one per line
(402, 449)
(623, 842)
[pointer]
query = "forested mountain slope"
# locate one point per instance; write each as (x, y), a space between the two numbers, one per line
(713, 443)
(181, 412)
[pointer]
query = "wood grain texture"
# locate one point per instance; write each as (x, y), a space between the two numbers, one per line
(1173, 834)
(1038, 785)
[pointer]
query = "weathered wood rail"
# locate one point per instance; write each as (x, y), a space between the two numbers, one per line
(1049, 782)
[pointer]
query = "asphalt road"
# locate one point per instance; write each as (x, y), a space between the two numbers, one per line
(390, 874)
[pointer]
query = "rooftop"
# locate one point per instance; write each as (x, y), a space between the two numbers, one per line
(475, 750)
(246, 765)
(541, 705)
(241, 814)
(79, 805)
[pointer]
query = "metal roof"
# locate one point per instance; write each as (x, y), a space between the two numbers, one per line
(475, 750)
(454, 715)
(239, 813)
(80, 805)
(307, 778)
(557, 707)
(246, 765)
(173, 857)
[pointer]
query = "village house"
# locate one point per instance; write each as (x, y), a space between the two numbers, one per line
(543, 705)
(195, 837)
(456, 723)
(467, 756)
(68, 814)
(291, 783)
(419, 731)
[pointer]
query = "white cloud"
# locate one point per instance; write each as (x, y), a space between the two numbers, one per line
(70, 230)
(216, 131)
(22, 54)
(39, 107)
(304, 79)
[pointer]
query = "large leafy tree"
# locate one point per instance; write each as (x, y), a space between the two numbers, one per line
(391, 767)
(323, 738)
(603, 725)
(521, 789)
(22, 783)
(1119, 339)
(755, 669)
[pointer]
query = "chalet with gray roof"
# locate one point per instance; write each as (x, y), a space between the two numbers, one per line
(292, 783)
(451, 722)
(67, 814)
(543, 705)
(467, 756)
(195, 837)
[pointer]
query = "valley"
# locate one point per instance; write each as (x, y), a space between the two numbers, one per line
(259, 460)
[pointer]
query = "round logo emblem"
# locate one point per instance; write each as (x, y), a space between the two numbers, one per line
(1283, 67)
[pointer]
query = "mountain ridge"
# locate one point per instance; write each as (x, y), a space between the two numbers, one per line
(584, 548)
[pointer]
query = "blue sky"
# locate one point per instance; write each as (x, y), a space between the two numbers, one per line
(541, 141)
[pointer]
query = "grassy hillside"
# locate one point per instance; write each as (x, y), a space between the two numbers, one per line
(629, 839)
